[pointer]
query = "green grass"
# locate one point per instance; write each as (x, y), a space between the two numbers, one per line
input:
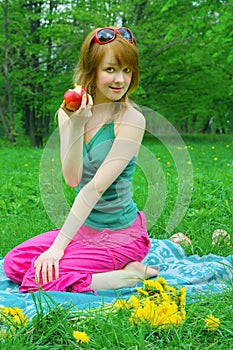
(23, 216)
(109, 328)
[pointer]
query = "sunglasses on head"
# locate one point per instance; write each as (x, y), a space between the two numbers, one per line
(106, 35)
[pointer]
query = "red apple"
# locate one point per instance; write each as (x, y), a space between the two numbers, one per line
(73, 98)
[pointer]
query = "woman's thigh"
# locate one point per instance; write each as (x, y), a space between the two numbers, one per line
(94, 256)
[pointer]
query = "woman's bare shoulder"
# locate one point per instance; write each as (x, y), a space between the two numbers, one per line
(130, 122)
(133, 116)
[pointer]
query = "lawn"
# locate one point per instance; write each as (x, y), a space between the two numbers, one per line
(185, 187)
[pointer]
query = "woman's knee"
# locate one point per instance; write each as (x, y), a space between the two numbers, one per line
(8, 264)
(13, 268)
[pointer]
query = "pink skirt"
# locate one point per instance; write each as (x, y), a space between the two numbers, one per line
(89, 252)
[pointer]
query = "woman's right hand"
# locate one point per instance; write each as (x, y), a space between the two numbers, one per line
(47, 265)
(72, 131)
(83, 114)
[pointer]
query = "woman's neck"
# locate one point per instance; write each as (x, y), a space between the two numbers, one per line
(101, 113)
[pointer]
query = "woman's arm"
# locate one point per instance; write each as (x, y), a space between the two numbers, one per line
(125, 146)
(71, 128)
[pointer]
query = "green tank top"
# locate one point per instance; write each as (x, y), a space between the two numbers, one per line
(115, 209)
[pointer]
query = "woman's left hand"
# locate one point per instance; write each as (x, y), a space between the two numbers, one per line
(47, 264)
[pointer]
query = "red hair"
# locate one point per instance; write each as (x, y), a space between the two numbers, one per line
(91, 55)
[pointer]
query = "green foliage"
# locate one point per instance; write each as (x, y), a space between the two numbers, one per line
(181, 74)
(22, 211)
(110, 328)
(185, 50)
(23, 216)
(211, 203)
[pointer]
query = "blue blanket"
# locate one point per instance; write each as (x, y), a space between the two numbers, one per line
(206, 274)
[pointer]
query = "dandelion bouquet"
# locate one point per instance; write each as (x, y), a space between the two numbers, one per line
(157, 304)
(11, 319)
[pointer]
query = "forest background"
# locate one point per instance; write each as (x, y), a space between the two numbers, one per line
(186, 60)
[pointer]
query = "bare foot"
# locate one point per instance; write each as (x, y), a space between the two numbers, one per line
(136, 269)
(128, 277)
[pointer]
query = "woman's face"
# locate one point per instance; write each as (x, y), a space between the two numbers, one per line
(112, 80)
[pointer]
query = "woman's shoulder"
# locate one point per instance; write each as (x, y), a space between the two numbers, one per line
(131, 121)
(133, 115)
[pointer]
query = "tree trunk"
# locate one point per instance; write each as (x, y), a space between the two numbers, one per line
(34, 106)
(9, 124)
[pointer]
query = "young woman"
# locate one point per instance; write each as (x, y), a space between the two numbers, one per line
(104, 237)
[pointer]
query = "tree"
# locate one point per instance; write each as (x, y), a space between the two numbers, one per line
(181, 74)
(185, 48)
(8, 124)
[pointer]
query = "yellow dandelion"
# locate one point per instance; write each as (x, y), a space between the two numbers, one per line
(170, 308)
(227, 146)
(143, 292)
(81, 337)
(121, 304)
(147, 312)
(189, 162)
(167, 298)
(228, 164)
(181, 297)
(171, 290)
(165, 314)
(213, 147)
(4, 334)
(158, 158)
(150, 312)
(16, 314)
(140, 315)
(182, 313)
(215, 158)
(153, 286)
(168, 163)
(212, 322)
(162, 281)
(159, 304)
(149, 283)
(176, 319)
(157, 298)
(133, 320)
(134, 302)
